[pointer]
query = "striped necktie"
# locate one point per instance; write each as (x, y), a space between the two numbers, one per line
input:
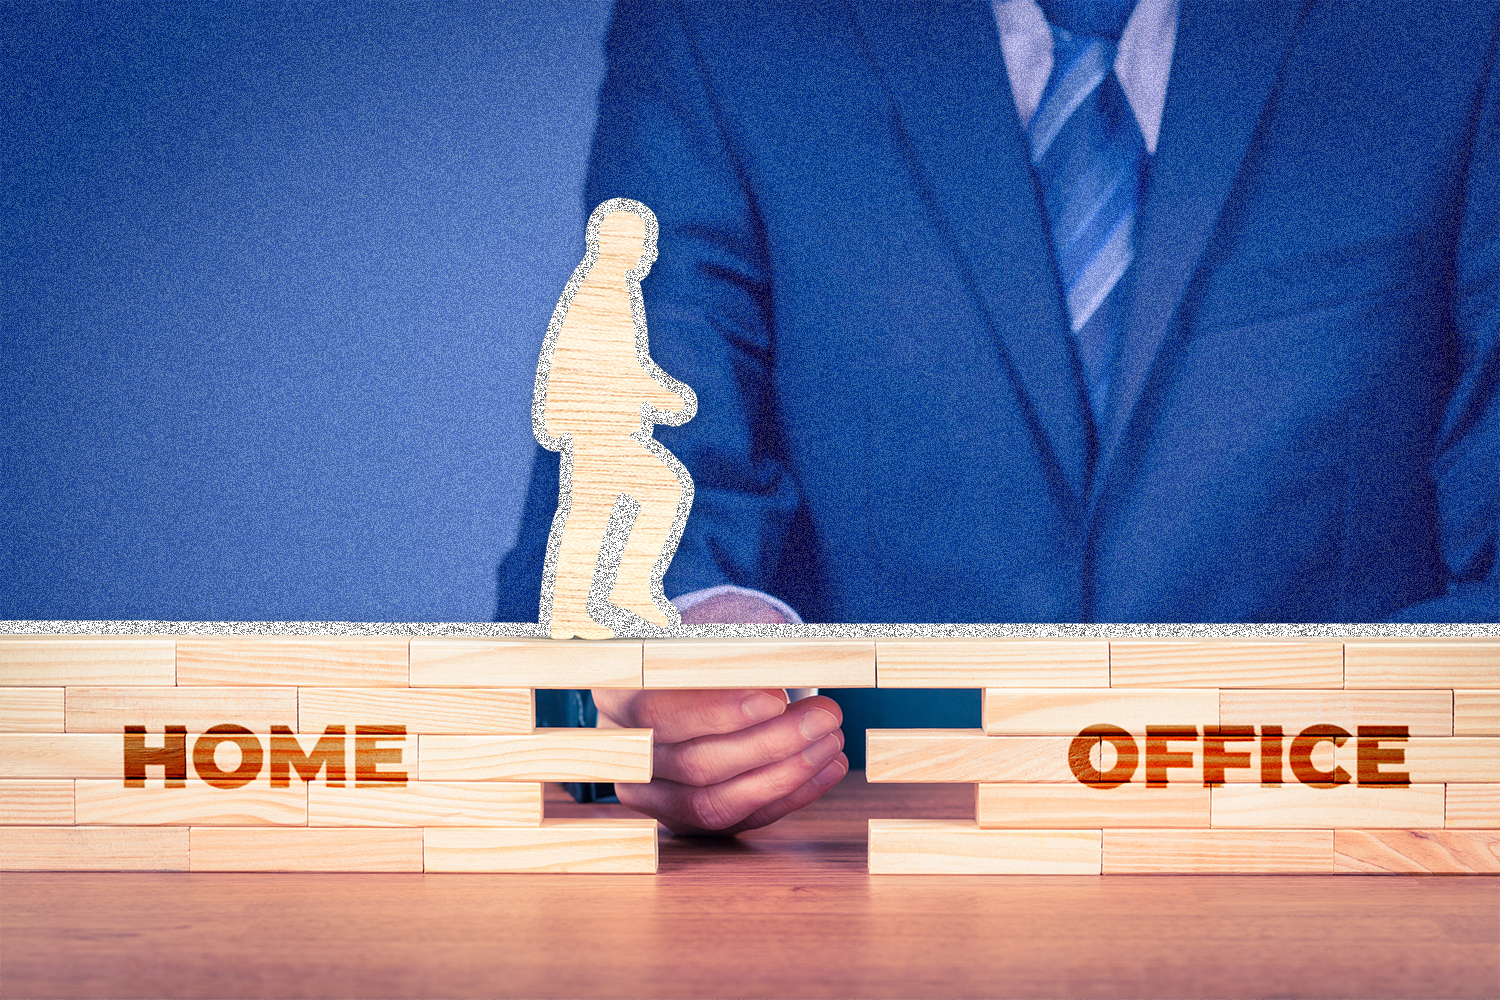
(1089, 158)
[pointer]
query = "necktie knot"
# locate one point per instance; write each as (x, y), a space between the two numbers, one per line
(1100, 18)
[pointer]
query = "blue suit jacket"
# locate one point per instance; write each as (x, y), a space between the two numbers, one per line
(854, 275)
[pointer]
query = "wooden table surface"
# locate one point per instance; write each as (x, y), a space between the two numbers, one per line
(784, 912)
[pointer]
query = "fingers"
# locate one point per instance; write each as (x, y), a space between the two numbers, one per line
(683, 715)
(733, 609)
(712, 759)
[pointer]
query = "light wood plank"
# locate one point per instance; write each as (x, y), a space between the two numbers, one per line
(299, 661)
(1476, 713)
(526, 663)
(992, 663)
(546, 755)
(1243, 663)
(63, 755)
(453, 711)
(31, 710)
(964, 755)
(110, 803)
(1297, 806)
(1441, 852)
(1424, 713)
(558, 845)
(1472, 806)
(758, 663)
(1422, 663)
(61, 661)
(428, 803)
(36, 803)
(1075, 806)
(958, 847)
(1064, 712)
(93, 848)
(1261, 852)
(110, 709)
(303, 849)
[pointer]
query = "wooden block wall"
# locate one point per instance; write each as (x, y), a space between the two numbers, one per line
(1203, 756)
(307, 754)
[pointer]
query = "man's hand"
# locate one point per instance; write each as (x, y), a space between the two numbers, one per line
(727, 761)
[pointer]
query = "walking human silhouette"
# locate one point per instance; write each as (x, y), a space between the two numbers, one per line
(623, 499)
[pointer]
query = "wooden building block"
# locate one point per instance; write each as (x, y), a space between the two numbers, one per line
(303, 849)
(111, 709)
(558, 845)
(964, 755)
(62, 755)
(427, 803)
(60, 661)
(1424, 713)
(992, 663)
(1303, 807)
(93, 848)
(958, 847)
(1076, 806)
(1440, 852)
(1472, 806)
(1242, 663)
(526, 663)
(1268, 852)
(299, 661)
(546, 755)
(1455, 759)
(1065, 712)
(107, 802)
(1476, 713)
(454, 711)
(1422, 663)
(31, 710)
(36, 803)
(758, 663)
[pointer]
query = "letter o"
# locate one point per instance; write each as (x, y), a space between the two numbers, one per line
(251, 756)
(1126, 752)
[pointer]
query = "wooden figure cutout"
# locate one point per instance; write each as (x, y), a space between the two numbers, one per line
(623, 499)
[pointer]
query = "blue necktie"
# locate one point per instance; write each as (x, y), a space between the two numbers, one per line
(1090, 158)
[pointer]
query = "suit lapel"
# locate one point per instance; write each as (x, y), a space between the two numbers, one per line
(945, 74)
(1226, 60)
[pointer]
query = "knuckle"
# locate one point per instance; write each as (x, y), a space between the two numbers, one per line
(707, 809)
(691, 768)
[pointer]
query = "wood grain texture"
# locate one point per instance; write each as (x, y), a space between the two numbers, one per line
(1476, 713)
(110, 709)
(1472, 807)
(546, 755)
(992, 663)
(957, 847)
(109, 803)
(63, 755)
(93, 848)
(31, 710)
(1257, 852)
(1439, 852)
(964, 755)
(525, 663)
(601, 846)
(454, 711)
(1424, 713)
(36, 803)
(1075, 806)
(1065, 712)
(298, 661)
(60, 661)
(427, 803)
(1422, 663)
(758, 663)
(1243, 663)
(1303, 807)
(303, 849)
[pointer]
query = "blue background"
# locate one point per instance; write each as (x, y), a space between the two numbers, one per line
(275, 278)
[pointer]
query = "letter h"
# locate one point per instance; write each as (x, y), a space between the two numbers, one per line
(171, 756)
